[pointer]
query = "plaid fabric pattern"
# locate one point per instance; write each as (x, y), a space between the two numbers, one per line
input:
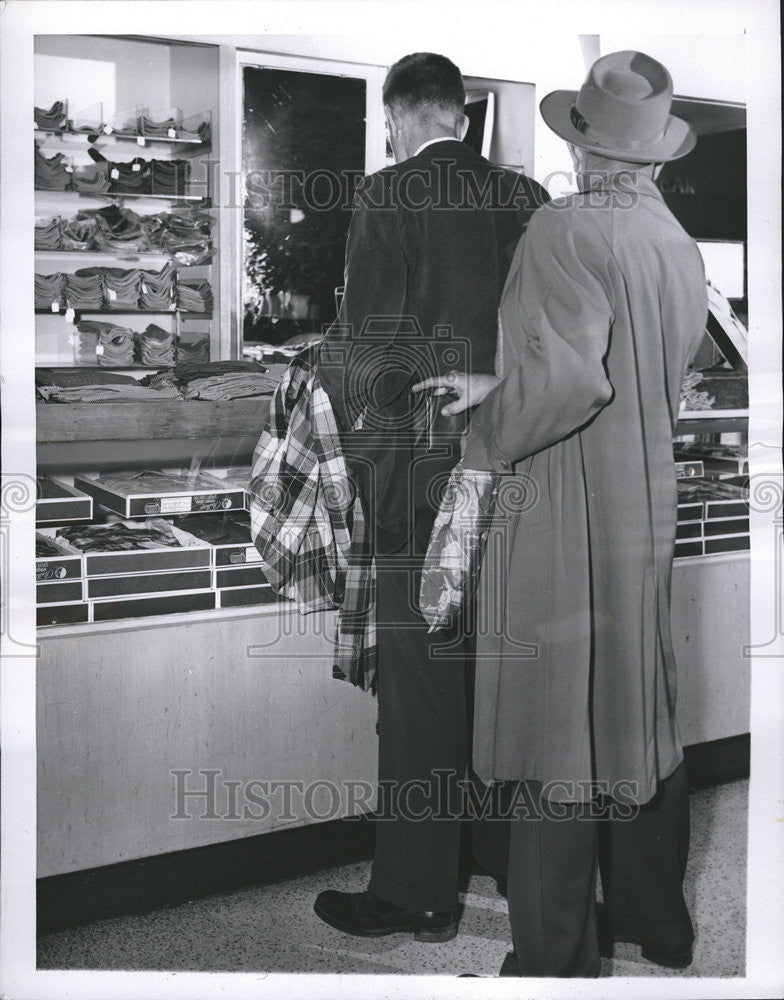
(306, 524)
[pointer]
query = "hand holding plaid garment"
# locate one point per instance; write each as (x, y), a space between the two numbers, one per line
(307, 522)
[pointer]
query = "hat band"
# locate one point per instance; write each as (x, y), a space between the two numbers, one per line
(611, 141)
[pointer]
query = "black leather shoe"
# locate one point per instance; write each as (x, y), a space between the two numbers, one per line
(669, 958)
(365, 915)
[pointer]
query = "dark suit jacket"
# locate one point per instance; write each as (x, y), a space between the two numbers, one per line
(429, 247)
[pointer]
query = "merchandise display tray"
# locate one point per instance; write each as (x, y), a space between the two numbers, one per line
(727, 543)
(104, 587)
(688, 530)
(69, 505)
(76, 613)
(727, 526)
(164, 604)
(147, 560)
(692, 511)
(59, 593)
(64, 566)
(236, 555)
(127, 502)
(693, 547)
(239, 597)
(240, 576)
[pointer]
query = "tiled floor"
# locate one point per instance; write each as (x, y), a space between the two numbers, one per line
(274, 928)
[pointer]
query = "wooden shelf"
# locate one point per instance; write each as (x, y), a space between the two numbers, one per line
(71, 137)
(82, 437)
(81, 310)
(203, 201)
(167, 419)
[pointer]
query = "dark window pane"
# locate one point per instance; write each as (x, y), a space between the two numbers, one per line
(303, 153)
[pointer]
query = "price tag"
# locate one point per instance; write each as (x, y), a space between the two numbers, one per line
(68, 168)
(115, 174)
(136, 167)
(252, 554)
(171, 133)
(175, 505)
(35, 124)
(140, 140)
(145, 288)
(107, 130)
(111, 294)
(70, 315)
(55, 307)
(99, 349)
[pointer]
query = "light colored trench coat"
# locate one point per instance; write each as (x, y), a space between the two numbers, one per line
(604, 305)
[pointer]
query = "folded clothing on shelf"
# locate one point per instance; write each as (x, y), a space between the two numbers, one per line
(130, 177)
(231, 386)
(158, 128)
(184, 373)
(69, 378)
(122, 287)
(51, 118)
(92, 178)
(119, 230)
(157, 346)
(194, 348)
(52, 174)
(50, 291)
(111, 345)
(194, 296)
(47, 234)
(77, 233)
(106, 394)
(157, 288)
(169, 177)
(84, 289)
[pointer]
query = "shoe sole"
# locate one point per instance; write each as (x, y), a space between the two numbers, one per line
(424, 934)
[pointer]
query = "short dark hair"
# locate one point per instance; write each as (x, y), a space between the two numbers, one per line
(424, 78)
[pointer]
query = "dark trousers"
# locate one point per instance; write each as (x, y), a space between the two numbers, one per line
(422, 716)
(422, 730)
(553, 862)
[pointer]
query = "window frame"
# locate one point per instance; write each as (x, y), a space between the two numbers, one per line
(232, 194)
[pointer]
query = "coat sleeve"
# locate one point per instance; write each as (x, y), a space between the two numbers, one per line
(351, 358)
(558, 304)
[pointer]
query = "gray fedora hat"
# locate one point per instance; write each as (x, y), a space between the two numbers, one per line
(622, 111)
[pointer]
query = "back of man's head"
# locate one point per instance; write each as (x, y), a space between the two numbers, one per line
(425, 84)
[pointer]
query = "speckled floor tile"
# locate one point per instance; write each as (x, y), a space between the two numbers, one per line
(274, 929)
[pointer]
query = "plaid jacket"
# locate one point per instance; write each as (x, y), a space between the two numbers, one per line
(307, 524)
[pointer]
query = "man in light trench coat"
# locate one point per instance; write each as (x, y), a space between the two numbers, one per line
(603, 307)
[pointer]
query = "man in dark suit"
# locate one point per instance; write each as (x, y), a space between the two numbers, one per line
(428, 250)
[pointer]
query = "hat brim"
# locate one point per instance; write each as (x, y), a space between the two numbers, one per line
(679, 137)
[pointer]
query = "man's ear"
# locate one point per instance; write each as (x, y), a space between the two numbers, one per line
(392, 120)
(462, 128)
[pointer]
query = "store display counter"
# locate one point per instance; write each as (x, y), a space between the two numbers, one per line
(248, 693)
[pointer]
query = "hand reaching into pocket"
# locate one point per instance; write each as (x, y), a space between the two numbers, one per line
(469, 390)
